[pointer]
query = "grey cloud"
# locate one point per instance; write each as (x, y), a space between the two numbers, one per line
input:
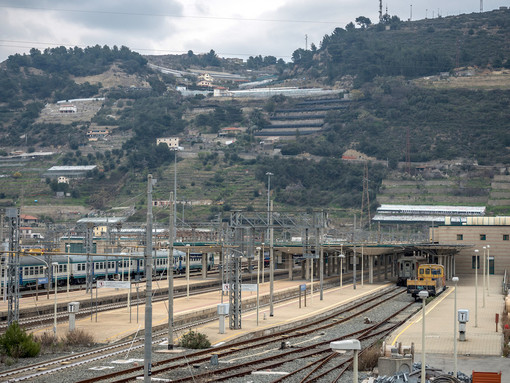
(118, 15)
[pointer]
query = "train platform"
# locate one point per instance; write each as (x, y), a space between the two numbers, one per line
(122, 323)
(482, 349)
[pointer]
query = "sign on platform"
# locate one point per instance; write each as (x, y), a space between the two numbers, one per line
(248, 287)
(113, 284)
(42, 281)
(302, 287)
(226, 287)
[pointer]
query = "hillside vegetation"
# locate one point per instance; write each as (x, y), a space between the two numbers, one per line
(414, 91)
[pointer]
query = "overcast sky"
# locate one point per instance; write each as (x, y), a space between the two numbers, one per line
(233, 28)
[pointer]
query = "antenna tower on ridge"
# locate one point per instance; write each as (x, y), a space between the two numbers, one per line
(481, 5)
(380, 10)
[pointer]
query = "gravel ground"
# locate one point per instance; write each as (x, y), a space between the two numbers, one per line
(241, 357)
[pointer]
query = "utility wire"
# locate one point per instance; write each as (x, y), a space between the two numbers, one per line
(168, 15)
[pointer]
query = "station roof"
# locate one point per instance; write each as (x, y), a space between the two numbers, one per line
(432, 209)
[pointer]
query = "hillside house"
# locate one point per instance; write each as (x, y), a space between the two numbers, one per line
(97, 134)
(229, 131)
(171, 142)
(67, 108)
(69, 171)
(205, 84)
(26, 219)
(206, 77)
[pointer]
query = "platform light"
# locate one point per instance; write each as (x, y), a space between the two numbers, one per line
(342, 346)
(476, 287)
(342, 257)
(455, 280)
(55, 275)
(424, 294)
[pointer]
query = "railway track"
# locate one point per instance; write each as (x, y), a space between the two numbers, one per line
(40, 372)
(269, 352)
(307, 340)
(39, 319)
(44, 320)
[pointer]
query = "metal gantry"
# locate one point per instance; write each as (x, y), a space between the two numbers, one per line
(246, 229)
(89, 248)
(13, 265)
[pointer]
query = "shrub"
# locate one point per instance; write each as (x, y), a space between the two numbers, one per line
(194, 340)
(78, 337)
(46, 340)
(369, 358)
(17, 343)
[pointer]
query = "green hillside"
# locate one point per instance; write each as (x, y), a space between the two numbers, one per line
(416, 94)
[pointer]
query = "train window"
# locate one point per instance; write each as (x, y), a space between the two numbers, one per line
(427, 271)
(422, 271)
(460, 237)
(31, 270)
(506, 237)
(483, 237)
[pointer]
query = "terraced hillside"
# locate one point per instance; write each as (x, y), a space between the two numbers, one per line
(307, 117)
(198, 187)
(500, 191)
(445, 191)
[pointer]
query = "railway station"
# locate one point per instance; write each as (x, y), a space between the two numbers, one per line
(480, 351)
(243, 287)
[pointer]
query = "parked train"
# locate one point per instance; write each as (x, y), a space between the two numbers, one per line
(430, 278)
(407, 268)
(33, 268)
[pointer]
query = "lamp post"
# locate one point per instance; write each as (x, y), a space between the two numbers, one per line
(268, 174)
(270, 236)
(483, 272)
(342, 257)
(476, 288)
(68, 268)
(354, 261)
(187, 270)
(258, 277)
(55, 275)
(170, 272)
(488, 269)
(423, 295)
(455, 280)
(342, 346)
(263, 262)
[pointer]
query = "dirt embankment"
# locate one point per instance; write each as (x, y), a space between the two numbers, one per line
(57, 212)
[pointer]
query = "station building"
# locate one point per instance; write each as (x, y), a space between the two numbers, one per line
(489, 235)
